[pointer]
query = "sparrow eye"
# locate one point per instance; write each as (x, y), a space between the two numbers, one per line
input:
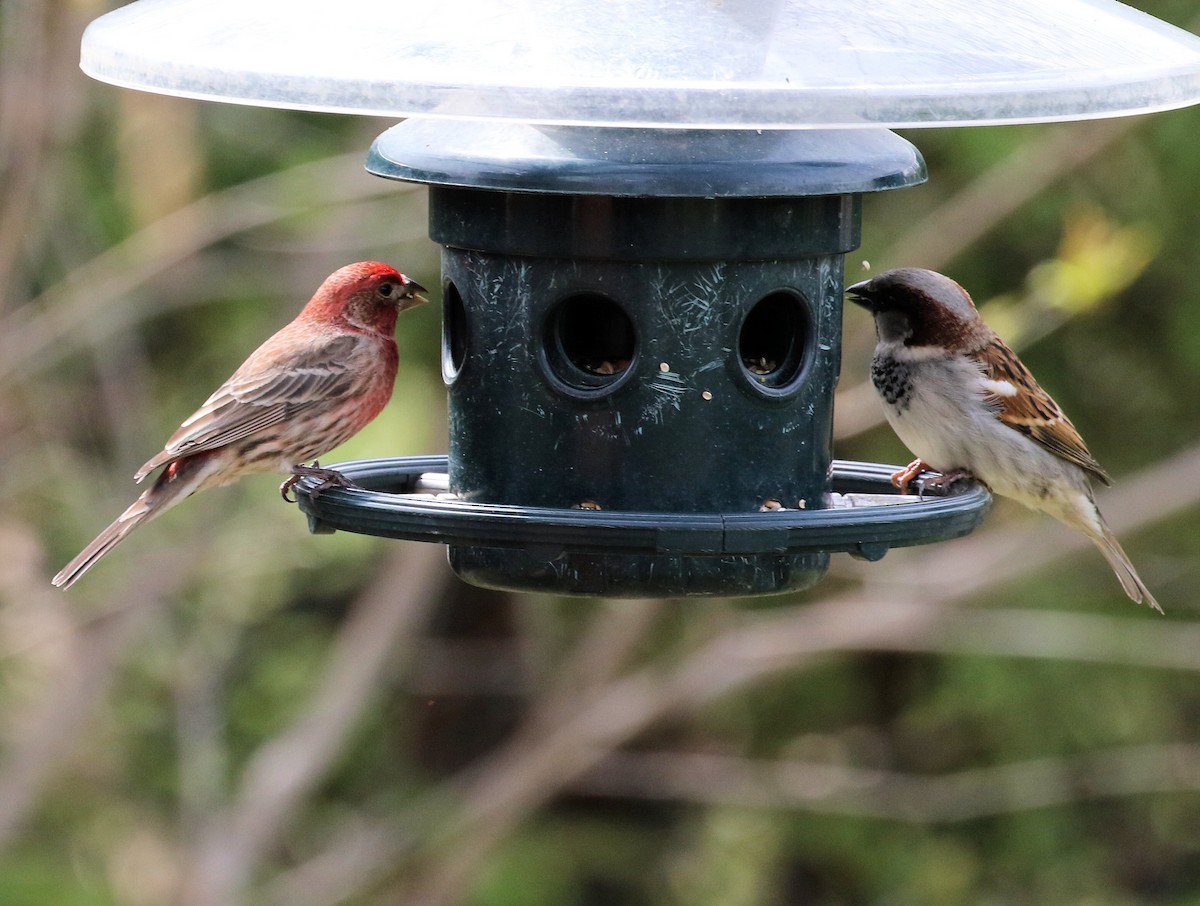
(386, 290)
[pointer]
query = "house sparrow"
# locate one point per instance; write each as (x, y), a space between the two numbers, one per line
(966, 406)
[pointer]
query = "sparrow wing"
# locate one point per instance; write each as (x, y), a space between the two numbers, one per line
(258, 396)
(1024, 406)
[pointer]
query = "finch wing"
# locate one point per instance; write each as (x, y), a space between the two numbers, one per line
(1024, 406)
(257, 397)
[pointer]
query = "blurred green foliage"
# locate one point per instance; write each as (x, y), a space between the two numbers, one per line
(166, 706)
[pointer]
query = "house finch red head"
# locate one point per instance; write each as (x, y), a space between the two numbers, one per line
(963, 402)
(309, 388)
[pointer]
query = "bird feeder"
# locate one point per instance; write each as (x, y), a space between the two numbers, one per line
(644, 209)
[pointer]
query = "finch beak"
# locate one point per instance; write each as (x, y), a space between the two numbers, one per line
(414, 297)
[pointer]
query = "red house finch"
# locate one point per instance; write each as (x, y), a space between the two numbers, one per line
(309, 388)
(963, 402)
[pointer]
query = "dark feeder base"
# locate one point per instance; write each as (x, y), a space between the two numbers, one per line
(643, 323)
(621, 554)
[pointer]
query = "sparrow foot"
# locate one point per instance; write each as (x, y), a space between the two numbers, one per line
(904, 477)
(330, 478)
(946, 480)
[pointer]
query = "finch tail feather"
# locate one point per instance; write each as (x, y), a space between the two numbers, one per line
(138, 512)
(179, 480)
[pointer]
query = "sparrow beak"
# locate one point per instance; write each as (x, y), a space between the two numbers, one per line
(860, 294)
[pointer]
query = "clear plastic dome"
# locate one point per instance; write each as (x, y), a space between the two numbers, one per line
(683, 63)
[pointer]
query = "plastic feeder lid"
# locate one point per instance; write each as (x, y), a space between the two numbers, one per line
(683, 63)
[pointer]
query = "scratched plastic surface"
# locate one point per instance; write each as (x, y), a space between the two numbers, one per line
(684, 63)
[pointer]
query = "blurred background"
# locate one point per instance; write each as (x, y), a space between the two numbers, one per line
(229, 710)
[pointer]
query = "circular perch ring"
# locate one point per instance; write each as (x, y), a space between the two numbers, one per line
(866, 518)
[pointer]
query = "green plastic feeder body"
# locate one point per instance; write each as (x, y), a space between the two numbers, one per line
(641, 321)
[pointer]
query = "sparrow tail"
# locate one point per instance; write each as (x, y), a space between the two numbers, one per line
(180, 479)
(1130, 581)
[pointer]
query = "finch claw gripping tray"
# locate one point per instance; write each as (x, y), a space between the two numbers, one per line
(644, 209)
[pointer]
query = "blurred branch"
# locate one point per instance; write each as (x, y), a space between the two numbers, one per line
(376, 640)
(355, 853)
(199, 731)
(536, 766)
(866, 792)
(28, 59)
(41, 333)
(360, 851)
(50, 733)
(1127, 640)
(968, 215)
(971, 213)
(916, 605)
(614, 632)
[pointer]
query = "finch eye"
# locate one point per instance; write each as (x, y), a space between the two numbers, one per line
(387, 289)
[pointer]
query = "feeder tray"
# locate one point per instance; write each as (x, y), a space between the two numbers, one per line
(580, 551)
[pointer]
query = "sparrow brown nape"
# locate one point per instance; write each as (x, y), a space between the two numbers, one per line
(965, 405)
